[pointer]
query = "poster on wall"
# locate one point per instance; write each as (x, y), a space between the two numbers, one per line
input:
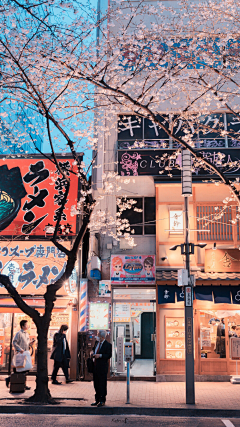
(129, 269)
(105, 288)
(32, 192)
(122, 312)
(31, 266)
(98, 315)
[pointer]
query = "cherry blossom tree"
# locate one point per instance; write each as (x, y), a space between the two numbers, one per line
(65, 61)
(37, 31)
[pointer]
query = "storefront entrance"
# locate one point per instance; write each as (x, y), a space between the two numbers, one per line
(9, 325)
(134, 320)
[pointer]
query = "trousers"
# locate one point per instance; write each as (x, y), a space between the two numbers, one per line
(64, 365)
(100, 385)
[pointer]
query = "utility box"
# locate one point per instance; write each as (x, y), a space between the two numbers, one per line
(128, 353)
(182, 277)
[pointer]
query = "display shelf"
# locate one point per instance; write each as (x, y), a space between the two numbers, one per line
(174, 338)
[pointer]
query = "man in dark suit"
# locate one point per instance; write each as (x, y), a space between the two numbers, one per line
(101, 354)
(60, 354)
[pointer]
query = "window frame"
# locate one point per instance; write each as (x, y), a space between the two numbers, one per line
(143, 216)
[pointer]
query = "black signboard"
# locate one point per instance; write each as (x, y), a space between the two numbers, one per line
(166, 164)
(208, 131)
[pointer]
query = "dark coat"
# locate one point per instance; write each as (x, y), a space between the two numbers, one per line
(57, 352)
(101, 364)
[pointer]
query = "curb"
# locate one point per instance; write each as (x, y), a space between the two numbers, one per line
(74, 410)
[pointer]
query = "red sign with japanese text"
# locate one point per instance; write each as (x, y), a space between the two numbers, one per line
(31, 195)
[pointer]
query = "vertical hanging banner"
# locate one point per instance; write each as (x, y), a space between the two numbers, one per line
(31, 195)
(83, 305)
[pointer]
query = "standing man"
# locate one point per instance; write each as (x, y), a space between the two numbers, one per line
(21, 343)
(101, 353)
(60, 354)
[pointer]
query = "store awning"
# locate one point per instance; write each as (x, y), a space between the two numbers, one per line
(216, 294)
(7, 305)
(199, 275)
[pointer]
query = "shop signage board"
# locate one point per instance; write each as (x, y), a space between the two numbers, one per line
(189, 336)
(98, 315)
(133, 269)
(235, 348)
(222, 260)
(32, 192)
(120, 354)
(142, 133)
(105, 288)
(167, 167)
(122, 312)
(31, 266)
(188, 293)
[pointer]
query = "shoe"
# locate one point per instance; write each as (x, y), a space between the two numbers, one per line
(100, 404)
(56, 382)
(94, 404)
(69, 381)
(27, 388)
(7, 380)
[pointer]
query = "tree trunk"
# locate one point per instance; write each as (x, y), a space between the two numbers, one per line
(42, 393)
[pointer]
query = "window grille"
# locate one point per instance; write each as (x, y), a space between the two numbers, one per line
(216, 219)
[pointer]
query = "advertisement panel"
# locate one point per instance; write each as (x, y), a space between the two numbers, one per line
(31, 194)
(122, 312)
(129, 269)
(98, 315)
(105, 288)
(31, 266)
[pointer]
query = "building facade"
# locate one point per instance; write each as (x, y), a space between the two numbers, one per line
(145, 305)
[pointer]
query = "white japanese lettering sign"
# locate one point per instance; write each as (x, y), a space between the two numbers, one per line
(235, 348)
(188, 296)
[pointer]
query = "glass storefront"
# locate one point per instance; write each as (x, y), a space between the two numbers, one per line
(215, 328)
(9, 325)
(134, 320)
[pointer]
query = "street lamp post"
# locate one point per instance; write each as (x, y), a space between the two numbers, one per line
(187, 249)
(189, 347)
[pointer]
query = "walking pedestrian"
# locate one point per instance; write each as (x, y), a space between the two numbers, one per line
(101, 354)
(21, 343)
(60, 355)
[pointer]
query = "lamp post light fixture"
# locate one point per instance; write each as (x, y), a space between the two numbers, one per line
(187, 249)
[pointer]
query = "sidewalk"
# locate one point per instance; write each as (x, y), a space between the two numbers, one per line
(149, 398)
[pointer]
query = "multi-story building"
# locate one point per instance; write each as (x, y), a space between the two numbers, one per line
(145, 305)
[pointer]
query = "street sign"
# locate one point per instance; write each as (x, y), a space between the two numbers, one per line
(188, 296)
(120, 343)
(182, 277)
(128, 354)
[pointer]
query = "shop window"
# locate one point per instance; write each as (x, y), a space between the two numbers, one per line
(141, 214)
(212, 335)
